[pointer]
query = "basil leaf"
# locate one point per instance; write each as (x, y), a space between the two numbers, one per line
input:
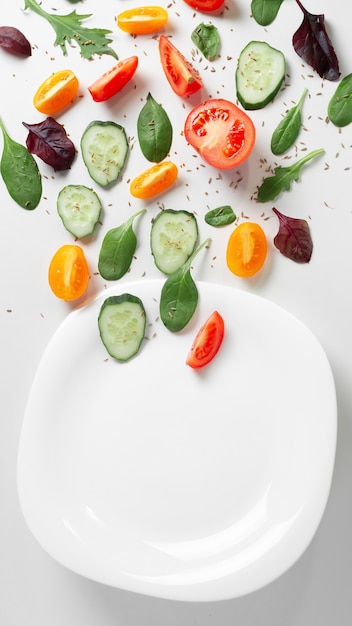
(179, 296)
(207, 39)
(293, 239)
(117, 250)
(265, 11)
(20, 173)
(287, 131)
(221, 216)
(154, 131)
(340, 105)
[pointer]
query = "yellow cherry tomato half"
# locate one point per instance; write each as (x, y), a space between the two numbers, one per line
(142, 20)
(56, 92)
(68, 272)
(246, 249)
(154, 180)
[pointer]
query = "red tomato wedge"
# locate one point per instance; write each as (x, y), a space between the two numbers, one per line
(114, 80)
(207, 342)
(205, 6)
(182, 76)
(221, 132)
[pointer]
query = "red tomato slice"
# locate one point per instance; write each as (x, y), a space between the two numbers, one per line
(221, 132)
(205, 6)
(207, 342)
(114, 80)
(183, 78)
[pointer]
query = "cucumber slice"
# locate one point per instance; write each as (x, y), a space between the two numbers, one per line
(173, 238)
(104, 148)
(79, 208)
(121, 323)
(259, 74)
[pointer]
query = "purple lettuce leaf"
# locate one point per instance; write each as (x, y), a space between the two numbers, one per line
(293, 238)
(49, 141)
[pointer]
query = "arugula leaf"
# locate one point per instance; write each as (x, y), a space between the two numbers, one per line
(272, 186)
(69, 28)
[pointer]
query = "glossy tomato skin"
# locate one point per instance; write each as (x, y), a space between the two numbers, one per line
(207, 342)
(182, 77)
(56, 92)
(205, 6)
(246, 249)
(111, 82)
(144, 20)
(154, 180)
(68, 272)
(222, 133)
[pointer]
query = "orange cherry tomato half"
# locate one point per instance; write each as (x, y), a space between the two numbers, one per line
(221, 132)
(183, 78)
(246, 249)
(154, 180)
(206, 6)
(56, 92)
(142, 20)
(68, 272)
(207, 342)
(111, 82)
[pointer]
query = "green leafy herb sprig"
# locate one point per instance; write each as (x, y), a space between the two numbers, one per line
(154, 131)
(287, 131)
(117, 250)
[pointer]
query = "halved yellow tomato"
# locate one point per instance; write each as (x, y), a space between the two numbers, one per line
(142, 20)
(56, 92)
(154, 180)
(246, 249)
(68, 272)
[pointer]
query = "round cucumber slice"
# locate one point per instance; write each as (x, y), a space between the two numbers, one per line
(259, 74)
(122, 322)
(79, 208)
(104, 148)
(173, 238)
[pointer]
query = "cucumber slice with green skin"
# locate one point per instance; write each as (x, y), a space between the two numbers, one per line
(79, 208)
(122, 322)
(259, 74)
(173, 238)
(104, 147)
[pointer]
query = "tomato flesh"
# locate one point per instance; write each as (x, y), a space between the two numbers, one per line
(207, 342)
(221, 132)
(181, 75)
(246, 249)
(154, 180)
(142, 20)
(68, 272)
(111, 82)
(206, 6)
(56, 92)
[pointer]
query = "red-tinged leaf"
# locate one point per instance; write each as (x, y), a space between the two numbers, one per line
(49, 141)
(14, 41)
(312, 43)
(293, 239)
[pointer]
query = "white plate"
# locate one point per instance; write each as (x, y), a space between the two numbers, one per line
(183, 484)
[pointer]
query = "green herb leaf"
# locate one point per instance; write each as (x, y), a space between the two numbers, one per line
(287, 131)
(283, 177)
(265, 11)
(69, 29)
(117, 250)
(179, 296)
(340, 105)
(207, 39)
(221, 216)
(20, 173)
(154, 131)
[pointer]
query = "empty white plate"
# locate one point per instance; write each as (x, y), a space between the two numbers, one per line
(183, 484)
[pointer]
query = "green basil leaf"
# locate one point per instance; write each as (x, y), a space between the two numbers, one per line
(221, 216)
(340, 105)
(287, 131)
(20, 173)
(207, 39)
(117, 250)
(265, 11)
(154, 131)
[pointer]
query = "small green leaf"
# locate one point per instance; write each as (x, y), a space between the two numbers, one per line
(221, 216)
(265, 11)
(117, 250)
(20, 173)
(340, 105)
(287, 131)
(154, 131)
(207, 39)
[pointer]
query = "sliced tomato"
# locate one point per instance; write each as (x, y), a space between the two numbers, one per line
(56, 92)
(205, 6)
(182, 76)
(246, 249)
(111, 82)
(68, 272)
(154, 180)
(221, 132)
(142, 20)
(207, 341)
